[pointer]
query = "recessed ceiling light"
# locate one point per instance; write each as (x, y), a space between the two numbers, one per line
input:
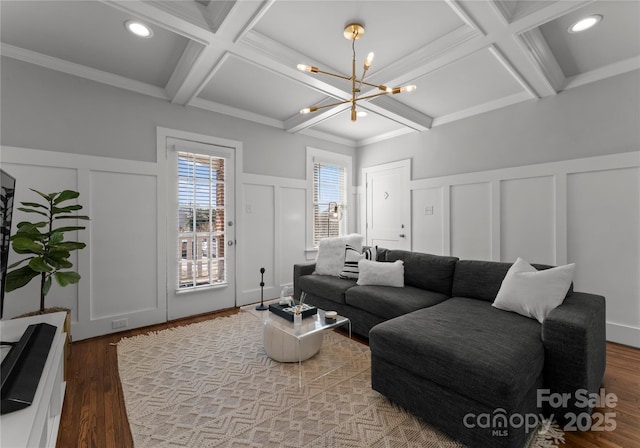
(362, 113)
(138, 28)
(585, 23)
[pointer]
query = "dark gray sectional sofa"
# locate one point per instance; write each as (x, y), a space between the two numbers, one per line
(440, 350)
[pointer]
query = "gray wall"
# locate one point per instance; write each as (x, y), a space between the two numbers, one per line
(46, 109)
(595, 119)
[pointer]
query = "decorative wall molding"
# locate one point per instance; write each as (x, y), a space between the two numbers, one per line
(542, 198)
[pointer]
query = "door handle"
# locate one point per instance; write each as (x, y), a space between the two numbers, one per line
(229, 243)
(401, 235)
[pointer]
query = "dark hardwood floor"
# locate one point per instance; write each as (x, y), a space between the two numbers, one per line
(94, 414)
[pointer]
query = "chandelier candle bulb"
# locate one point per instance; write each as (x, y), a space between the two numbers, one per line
(368, 61)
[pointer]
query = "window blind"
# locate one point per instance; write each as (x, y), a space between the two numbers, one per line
(329, 191)
(200, 220)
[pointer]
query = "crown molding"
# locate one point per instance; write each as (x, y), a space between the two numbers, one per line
(486, 107)
(617, 68)
(82, 71)
(223, 109)
(385, 136)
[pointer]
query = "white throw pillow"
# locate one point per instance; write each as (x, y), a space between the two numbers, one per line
(330, 258)
(382, 274)
(533, 293)
(351, 259)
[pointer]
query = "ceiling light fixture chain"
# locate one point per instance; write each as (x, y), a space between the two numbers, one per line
(353, 32)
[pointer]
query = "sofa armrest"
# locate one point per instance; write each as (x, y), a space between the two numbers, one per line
(574, 339)
(298, 271)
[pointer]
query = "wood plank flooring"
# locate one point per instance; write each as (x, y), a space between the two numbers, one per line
(94, 415)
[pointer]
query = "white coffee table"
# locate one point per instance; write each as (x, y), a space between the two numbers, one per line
(286, 342)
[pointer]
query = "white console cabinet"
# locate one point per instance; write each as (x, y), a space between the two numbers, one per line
(36, 426)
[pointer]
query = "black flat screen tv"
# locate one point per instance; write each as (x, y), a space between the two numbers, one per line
(6, 212)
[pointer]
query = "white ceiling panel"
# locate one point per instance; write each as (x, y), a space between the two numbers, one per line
(92, 34)
(468, 82)
(393, 29)
(364, 127)
(246, 86)
(615, 38)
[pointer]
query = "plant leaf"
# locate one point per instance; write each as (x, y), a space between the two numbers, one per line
(26, 245)
(71, 217)
(65, 196)
(55, 238)
(20, 277)
(68, 245)
(39, 265)
(31, 224)
(67, 209)
(69, 229)
(48, 197)
(30, 210)
(65, 278)
(47, 286)
(17, 263)
(33, 204)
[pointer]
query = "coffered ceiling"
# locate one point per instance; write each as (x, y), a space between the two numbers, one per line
(239, 57)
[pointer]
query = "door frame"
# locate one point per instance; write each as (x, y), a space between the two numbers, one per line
(165, 136)
(405, 166)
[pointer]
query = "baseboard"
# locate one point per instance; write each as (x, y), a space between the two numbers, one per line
(623, 334)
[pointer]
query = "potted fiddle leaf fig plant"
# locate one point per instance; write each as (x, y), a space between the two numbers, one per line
(43, 241)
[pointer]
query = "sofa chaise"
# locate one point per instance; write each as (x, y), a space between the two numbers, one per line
(442, 351)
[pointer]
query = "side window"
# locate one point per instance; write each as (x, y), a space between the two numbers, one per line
(329, 194)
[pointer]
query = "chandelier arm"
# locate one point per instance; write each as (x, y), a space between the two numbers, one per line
(368, 97)
(333, 74)
(377, 86)
(316, 108)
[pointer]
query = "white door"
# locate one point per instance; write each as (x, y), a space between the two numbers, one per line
(388, 213)
(200, 228)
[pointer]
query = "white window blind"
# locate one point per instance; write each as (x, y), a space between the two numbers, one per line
(201, 218)
(329, 200)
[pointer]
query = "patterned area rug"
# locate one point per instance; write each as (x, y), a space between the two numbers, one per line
(210, 384)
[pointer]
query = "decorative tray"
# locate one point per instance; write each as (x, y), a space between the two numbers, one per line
(287, 311)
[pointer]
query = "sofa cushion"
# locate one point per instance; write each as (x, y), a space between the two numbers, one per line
(425, 271)
(383, 274)
(389, 302)
(482, 279)
(326, 286)
(467, 346)
(533, 293)
(330, 258)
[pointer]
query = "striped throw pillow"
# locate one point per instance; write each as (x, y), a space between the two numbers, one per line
(351, 258)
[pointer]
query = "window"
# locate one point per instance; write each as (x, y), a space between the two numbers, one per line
(201, 218)
(329, 193)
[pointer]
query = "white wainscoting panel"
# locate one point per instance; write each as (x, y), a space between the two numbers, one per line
(428, 220)
(123, 276)
(257, 242)
(271, 234)
(471, 220)
(583, 211)
(527, 219)
(603, 239)
(291, 231)
(124, 227)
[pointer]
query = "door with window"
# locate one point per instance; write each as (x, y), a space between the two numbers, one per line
(201, 228)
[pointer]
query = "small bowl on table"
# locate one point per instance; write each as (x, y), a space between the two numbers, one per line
(330, 316)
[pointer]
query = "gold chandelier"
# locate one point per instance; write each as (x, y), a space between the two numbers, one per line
(353, 32)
